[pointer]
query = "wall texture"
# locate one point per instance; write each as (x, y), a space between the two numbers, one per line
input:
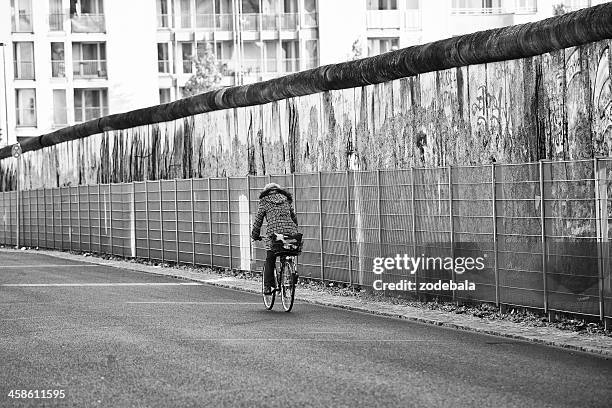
(547, 105)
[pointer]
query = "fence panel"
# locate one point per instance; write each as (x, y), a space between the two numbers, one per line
(572, 271)
(519, 235)
(605, 205)
(169, 219)
(396, 224)
(433, 226)
(219, 222)
(156, 235)
(184, 222)
(472, 207)
(335, 220)
(202, 225)
(308, 213)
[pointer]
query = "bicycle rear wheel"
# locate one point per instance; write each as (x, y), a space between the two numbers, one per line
(287, 285)
(267, 299)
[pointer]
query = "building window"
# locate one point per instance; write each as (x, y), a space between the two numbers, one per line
(476, 7)
(291, 55)
(163, 60)
(310, 13)
(89, 60)
(56, 17)
(186, 54)
(163, 18)
(526, 6)
(381, 45)
(382, 4)
(185, 13)
(58, 68)
(164, 95)
(59, 107)
(312, 54)
(22, 16)
(24, 60)
(87, 16)
(90, 104)
(25, 104)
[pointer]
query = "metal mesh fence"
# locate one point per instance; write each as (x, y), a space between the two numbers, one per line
(542, 229)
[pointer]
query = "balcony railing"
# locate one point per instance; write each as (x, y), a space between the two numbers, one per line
(58, 69)
(205, 21)
(26, 116)
(24, 69)
(289, 21)
(394, 19)
(310, 20)
(480, 10)
(249, 22)
(163, 66)
(163, 20)
(56, 22)
(224, 22)
(83, 114)
(88, 23)
(573, 5)
(22, 22)
(89, 68)
(290, 64)
(268, 22)
(187, 67)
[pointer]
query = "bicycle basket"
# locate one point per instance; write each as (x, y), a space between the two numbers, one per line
(283, 244)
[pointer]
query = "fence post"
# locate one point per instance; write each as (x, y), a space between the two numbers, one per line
(379, 201)
(321, 230)
(248, 183)
(61, 219)
(79, 214)
(193, 245)
(210, 227)
(495, 247)
(89, 215)
(100, 220)
(451, 225)
(37, 221)
(176, 222)
(110, 216)
(602, 223)
(229, 221)
(161, 219)
(18, 205)
(146, 186)
(543, 234)
(414, 235)
(348, 226)
(45, 214)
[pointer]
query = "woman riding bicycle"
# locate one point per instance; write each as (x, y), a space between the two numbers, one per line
(275, 204)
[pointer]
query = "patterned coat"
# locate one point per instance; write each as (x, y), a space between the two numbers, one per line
(275, 205)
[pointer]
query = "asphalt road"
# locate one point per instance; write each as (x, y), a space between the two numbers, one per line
(117, 338)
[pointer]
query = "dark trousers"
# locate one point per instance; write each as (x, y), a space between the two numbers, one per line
(269, 269)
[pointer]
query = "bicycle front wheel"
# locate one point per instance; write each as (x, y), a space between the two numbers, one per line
(288, 285)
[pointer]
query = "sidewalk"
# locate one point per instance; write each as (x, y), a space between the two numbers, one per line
(592, 343)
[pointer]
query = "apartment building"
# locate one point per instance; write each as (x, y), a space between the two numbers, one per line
(69, 61)
(253, 40)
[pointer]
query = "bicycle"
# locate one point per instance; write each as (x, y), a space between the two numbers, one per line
(285, 276)
(287, 249)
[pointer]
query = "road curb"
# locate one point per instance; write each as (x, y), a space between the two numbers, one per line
(549, 336)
